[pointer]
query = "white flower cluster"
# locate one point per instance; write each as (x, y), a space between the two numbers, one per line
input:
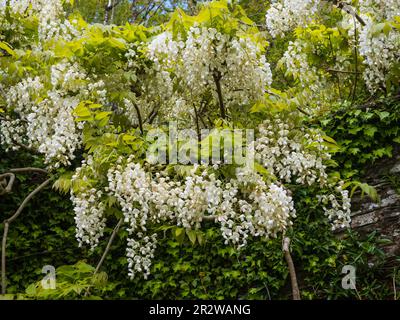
(46, 116)
(208, 56)
(52, 129)
(292, 155)
(12, 133)
(144, 198)
(50, 14)
(49, 124)
(259, 209)
(297, 156)
(337, 211)
(20, 100)
(51, 8)
(245, 206)
(88, 208)
(296, 64)
(89, 216)
(380, 50)
(285, 15)
(67, 76)
(154, 88)
(380, 9)
(140, 252)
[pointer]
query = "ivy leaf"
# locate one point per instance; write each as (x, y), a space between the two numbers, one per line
(370, 131)
(383, 114)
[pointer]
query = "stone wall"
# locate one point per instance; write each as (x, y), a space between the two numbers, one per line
(384, 216)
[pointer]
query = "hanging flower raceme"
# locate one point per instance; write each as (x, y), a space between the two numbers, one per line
(244, 207)
(371, 26)
(88, 206)
(283, 16)
(45, 106)
(206, 59)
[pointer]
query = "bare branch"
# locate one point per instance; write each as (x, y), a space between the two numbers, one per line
(217, 79)
(342, 71)
(356, 64)
(196, 114)
(150, 15)
(28, 169)
(108, 247)
(292, 270)
(114, 233)
(110, 7)
(8, 186)
(303, 111)
(152, 115)
(348, 9)
(139, 117)
(7, 223)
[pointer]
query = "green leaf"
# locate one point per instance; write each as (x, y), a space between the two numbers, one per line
(84, 267)
(102, 115)
(365, 189)
(370, 131)
(383, 114)
(258, 107)
(387, 28)
(103, 122)
(7, 48)
(179, 234)
(129, 139)
(117, 43)
(178, 231)
(192, 235)
(82, 111)
(31, 290)
(200, 238)
(329, 140)
(63, 183)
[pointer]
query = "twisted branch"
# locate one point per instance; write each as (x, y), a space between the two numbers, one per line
(7, 223)
(6, 187)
